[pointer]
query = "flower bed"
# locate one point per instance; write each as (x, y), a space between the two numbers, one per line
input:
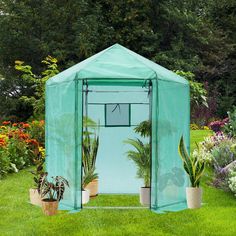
(20, 143)
(219, 151)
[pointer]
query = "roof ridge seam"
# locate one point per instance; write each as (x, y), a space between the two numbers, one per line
(96, 58)
(139, 59)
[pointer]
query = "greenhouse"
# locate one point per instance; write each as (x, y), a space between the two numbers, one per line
(113, 92)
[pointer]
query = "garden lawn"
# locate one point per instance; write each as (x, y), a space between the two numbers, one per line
(18, 217)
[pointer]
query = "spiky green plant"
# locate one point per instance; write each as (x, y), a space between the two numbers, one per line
(144, 128)
(141, 157)
(90, 149)
(193, 166)
(88, 177)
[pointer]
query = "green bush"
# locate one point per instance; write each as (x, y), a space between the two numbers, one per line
(4, 162)
(19, 153)
(223, 154)
(230, 127)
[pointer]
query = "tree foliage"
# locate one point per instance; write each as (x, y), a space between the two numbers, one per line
(196, 36)
(37, 82)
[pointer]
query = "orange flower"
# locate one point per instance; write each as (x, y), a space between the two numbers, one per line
(26, 126)
(6, 122)
(33, 142)
(2, 142)
(14, 124)
(23, 136)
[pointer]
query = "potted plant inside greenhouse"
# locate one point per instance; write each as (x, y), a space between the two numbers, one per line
(141, 156)
(88, 177)
(35, 198)
(51, 192)
(194, 167)
(90, 149)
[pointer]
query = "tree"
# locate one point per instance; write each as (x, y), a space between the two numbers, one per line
(37, 83)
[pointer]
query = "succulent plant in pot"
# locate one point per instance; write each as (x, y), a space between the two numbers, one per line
(39, 160)
(194, 167)
(51, 192)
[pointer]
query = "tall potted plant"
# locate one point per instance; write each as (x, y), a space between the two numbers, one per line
(89, 156)
(39, 160)
(141, 157)
(51, 192)
(194, 167)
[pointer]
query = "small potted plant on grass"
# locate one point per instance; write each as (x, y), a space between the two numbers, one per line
(194, 167)
(51, 192)
(35, 198)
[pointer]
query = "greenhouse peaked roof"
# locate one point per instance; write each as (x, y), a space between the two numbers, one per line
(116, 62)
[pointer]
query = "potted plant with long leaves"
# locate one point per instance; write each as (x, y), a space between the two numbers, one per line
(51, 192)
(89, 156)
(141, 156)
(38, 160)
(194, 167)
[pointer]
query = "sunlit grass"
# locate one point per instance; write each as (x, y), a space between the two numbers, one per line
(18, 217)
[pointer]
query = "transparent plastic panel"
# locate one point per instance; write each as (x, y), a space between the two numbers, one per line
(117, 174)
(117, 114)
(63, 138)
(171, 114)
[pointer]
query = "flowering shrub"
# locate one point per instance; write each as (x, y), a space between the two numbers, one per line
(219, 151)
(194, 127)
(232, 181)
(197, 127)
(19, 145)
(209, 144)
(217, 125)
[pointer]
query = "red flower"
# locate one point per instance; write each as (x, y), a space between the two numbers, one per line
(14, 124)
(6, 122)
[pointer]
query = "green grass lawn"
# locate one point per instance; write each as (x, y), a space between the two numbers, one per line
(18, 217)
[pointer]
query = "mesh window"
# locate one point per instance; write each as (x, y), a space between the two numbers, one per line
(117, 115)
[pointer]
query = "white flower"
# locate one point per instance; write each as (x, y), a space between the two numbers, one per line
(232, 184)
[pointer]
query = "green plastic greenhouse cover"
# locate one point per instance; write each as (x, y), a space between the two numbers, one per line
(118, 68)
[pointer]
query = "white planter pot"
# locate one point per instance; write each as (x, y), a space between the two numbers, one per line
(194, 197)
(35, 198)
(145, 196)
(85, 196)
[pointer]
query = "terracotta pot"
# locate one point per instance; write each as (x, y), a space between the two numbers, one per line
(145, 196)
(49, 207)
(85, 196)
(35, 198)
(194, 197)
(93, 188)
